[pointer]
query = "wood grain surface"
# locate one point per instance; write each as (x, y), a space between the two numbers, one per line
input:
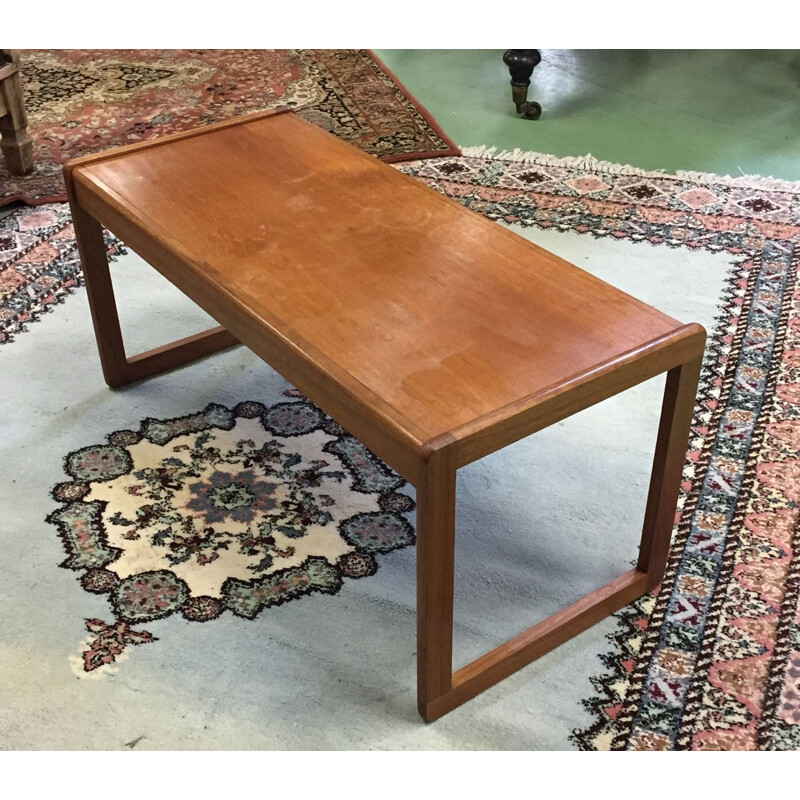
(441, 313)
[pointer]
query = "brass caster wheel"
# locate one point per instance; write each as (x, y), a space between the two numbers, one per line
(530, 110)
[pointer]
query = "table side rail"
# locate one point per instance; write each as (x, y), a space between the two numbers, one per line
(521, 650)
(506, 426)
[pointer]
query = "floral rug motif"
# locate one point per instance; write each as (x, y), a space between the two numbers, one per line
(223, 510)
(82, 101)
(712, 661)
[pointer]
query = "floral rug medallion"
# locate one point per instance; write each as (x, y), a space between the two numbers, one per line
(224, 510)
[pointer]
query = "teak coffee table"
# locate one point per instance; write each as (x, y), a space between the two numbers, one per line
(432, 334)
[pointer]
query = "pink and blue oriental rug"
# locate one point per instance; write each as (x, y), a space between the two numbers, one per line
(218, 494)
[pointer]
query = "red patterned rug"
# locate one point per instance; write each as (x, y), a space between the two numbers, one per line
(39, 264)
(82, 101)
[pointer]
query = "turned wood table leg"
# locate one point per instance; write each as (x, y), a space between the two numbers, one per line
(15, 143)
(521, 64)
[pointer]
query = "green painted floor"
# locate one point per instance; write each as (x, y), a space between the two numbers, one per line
(723, 111)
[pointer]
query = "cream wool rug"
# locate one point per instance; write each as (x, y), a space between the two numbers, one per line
(539, 524)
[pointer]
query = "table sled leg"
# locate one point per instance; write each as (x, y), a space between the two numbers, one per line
(118, 369)
(439, 690)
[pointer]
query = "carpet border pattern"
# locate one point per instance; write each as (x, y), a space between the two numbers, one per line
(712, 660)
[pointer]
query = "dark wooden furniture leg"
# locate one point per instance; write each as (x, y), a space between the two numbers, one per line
(439, 689)
(673, 433)
(520, 64)
(15, 143)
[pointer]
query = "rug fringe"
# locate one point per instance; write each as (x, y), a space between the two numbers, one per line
(590, 163)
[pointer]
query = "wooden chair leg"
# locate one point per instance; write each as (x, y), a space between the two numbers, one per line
(117, 369)
(521, 64)
(439, 690)
(15, 143)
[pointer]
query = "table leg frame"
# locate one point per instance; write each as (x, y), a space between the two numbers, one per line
(439, 689)
(118, 369)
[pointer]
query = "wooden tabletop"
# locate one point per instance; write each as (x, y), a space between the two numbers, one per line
(439, 316)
